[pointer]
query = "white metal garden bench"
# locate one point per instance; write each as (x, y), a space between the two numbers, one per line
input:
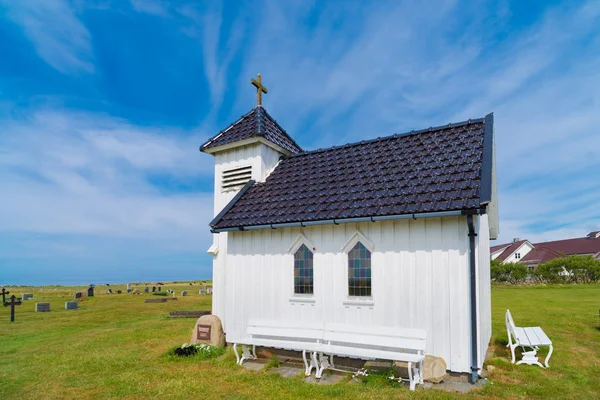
(322, 343)
(532, 337)
(288, 335)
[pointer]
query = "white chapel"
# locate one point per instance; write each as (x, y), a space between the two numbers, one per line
(375, 249)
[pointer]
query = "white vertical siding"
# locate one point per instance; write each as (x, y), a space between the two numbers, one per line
(484, 287)
(419, 280)
(263, 160)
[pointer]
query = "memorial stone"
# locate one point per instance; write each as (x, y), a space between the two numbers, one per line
(42, 307)
(71, 305)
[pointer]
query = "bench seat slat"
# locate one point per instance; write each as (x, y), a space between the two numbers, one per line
(537, 337)
(282, 344)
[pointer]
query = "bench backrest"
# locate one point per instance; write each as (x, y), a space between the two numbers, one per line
(399, 338)
(290, 329)
(510, 324)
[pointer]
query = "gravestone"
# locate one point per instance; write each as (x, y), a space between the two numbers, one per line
(183, 293)
(153, 289)
(71, 305)
(208, 330)
(109, 291)
(146, 290)
(201, 291)
(188, 314)
(155, 300)
(27, 296)
(128, 287)
(14, 301)
(78, 295)
(42, 307)
(119, 292)
(159, 288)
(4, 293)
(90, 291)
(209, 290)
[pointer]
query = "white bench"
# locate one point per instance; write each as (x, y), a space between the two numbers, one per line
(368, 342)
(288, 335)
(531, 337)
(323, 342)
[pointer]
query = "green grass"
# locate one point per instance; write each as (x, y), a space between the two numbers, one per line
(116, 346)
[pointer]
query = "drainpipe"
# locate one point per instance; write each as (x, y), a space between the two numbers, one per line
(474, 350)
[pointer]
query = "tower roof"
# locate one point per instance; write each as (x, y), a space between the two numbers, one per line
(255, 124)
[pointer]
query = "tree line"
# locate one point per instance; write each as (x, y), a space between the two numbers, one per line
(571, 269)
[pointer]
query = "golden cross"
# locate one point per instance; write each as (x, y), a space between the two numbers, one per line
(260, 89)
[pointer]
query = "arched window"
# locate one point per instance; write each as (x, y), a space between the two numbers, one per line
(303, 271)
(359, 271)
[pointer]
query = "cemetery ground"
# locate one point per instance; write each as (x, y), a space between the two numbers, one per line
(116, 346)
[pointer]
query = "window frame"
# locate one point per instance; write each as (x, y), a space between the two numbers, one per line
(296, 245)
(354, 300)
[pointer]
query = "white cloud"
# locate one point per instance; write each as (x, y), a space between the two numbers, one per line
(154, 7)
(80, 173)
(58, 35)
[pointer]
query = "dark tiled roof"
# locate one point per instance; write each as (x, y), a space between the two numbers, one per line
(510, 249)
(584, 245)
(257, 123)
(494, 249)
(438, 169)
(540, 255)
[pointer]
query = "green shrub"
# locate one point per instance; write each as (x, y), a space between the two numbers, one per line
(200, 351)
(512, 272)
(160, 293)
(572, 269)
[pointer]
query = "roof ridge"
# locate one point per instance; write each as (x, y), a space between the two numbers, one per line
(393, 136)
(240, 119)
(266, 113)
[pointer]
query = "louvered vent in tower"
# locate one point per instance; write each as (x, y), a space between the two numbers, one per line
(235, 178)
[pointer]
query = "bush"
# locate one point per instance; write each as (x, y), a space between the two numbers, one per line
(201, 351)
(160, 293)
(572, 269)
(513, 272)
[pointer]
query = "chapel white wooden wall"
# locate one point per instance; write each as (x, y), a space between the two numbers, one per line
(484, 320)
(420, 279)
(263, 160)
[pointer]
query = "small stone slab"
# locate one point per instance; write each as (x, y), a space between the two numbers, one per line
(78, 295)
(71, 305)
(183, 293)
(27, 296)
(156, 300)
(42, 307)
(188, 314)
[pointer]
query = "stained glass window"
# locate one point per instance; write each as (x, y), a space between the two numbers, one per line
(359, 271)
(303, 271)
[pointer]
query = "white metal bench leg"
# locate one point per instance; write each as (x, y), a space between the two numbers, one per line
(411, 377)
(237, 356)
(548, 356)
(246, 355)
(313, 363)
(323, 365)
(530, 358)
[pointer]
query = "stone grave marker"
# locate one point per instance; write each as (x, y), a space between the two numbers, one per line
(109, 291)
(159, 288)
(90, 291)
(42, 307)
(183, 293)
(163, 300)
(27, 296)
(153, 289)
(78, 295)
(188, 314)
(146, 290)
(209, 290)
(201, 291)
(119, 292)
(128, 287)
(71, 305)
(208, 330)
(14, 301)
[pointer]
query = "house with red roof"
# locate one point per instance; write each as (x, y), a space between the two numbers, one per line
(534, 254)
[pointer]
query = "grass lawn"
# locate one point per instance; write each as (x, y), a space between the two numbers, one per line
(115, 346)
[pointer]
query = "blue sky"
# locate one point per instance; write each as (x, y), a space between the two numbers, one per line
(103, 106)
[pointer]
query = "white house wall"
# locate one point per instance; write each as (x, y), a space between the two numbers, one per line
(419, 280)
